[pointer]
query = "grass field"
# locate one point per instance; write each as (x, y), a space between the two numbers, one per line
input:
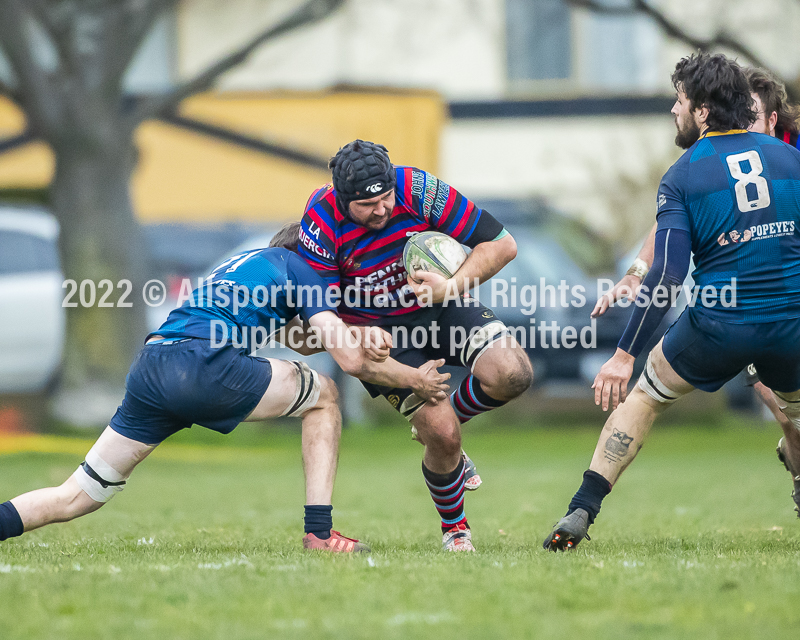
(699, 540)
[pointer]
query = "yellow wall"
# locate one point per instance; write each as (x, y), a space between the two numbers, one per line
(183, 176)
(30, 166)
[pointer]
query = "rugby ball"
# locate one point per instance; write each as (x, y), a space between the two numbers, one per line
(435, 252)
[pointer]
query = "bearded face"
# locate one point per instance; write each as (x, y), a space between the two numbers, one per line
(685, 123)
(688, 133)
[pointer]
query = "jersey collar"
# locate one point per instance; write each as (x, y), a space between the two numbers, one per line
(722, 133)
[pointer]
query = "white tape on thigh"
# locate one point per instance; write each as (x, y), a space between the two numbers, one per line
(100, 480)
(653, 387)
(308, 390)
(409, 408)
(480, 341)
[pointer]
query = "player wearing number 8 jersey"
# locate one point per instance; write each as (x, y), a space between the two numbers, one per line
(733, 199)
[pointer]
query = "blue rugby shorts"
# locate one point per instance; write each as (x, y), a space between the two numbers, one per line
(707, 353)
(173, 386)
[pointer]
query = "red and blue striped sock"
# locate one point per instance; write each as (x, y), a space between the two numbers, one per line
(470, 400)
(447, 492)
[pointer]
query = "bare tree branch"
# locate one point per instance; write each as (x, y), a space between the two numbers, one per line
(136, 20)
(55, 22)
(35, 88)
(7, 91)
(311, 12)
(672, 29)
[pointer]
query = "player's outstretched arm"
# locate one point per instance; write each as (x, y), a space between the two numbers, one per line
(628, 286)
(299, 337)
(346, 346)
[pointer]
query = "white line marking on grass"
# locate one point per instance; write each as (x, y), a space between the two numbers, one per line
(16, 568)
(240, 562)
(423, 618)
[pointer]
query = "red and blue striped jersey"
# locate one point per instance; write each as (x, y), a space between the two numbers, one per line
(367, 265)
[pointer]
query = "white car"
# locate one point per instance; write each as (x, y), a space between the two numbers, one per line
(32, 320)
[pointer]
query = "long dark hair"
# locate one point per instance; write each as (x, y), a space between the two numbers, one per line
(773, 98)
(719, 84)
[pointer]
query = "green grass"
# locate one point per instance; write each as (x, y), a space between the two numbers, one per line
(698, 541)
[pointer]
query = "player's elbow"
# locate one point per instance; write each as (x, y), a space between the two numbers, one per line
(506, 248)
(352, 364)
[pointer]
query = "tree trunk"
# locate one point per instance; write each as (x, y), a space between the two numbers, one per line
(100, 240)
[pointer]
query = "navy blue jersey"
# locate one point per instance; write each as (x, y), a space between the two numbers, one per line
(738, 195)
(259, 288)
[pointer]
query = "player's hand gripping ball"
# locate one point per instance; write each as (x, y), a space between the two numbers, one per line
(433, 252)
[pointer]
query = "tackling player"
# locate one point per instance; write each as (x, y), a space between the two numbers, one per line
(775, 117)
(731, 199)
(353, 233)
(196, 370)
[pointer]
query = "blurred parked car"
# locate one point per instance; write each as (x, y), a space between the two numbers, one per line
(539, 260)
(32, 319)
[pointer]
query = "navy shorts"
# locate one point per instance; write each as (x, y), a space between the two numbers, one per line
(707, 353)
(455, 322)
(173, 386)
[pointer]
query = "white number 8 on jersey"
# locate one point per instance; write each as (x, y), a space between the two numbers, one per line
(752, 177)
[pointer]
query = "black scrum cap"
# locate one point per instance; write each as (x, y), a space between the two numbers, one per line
(361, 170)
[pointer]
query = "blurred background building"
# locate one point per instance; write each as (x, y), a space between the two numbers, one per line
(554, 111)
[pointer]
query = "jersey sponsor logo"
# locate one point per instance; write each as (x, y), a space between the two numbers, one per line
(394, 274)
(431, 185)
(312, 246)
(374, 188)
(394, 400)
(442, 194)
(662, 200)
(417, 183)
(757, 232)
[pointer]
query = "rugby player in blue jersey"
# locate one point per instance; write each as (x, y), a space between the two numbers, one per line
(196, 369)
(775, 117)
(352, 233)
(733, 199)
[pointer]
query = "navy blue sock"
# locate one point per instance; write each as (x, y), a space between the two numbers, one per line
(10, 522)
(318, 520)
(589, 497)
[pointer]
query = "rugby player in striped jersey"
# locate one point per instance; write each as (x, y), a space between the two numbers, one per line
(352, 233)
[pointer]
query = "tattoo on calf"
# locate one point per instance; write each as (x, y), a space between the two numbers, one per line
(617, 445)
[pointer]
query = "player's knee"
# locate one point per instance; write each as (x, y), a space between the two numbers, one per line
(328, 392)
(651, 384)
(308, 394)
(511, 379)
(446, 442)
(441, 433)
(789, 404)
(521, 376)
(97, 479)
